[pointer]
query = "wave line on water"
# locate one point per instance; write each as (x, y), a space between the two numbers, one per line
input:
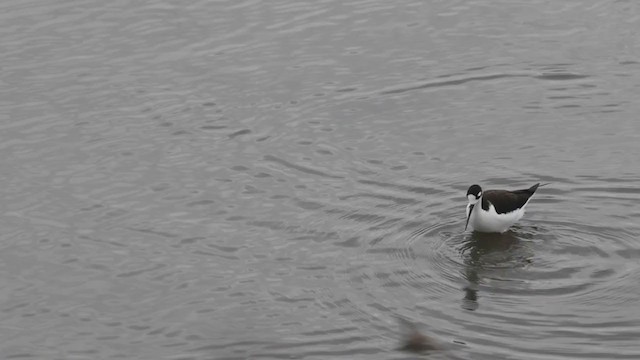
(301, 168)
(453, 82)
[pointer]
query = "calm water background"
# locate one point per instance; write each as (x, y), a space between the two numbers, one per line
(283, 179)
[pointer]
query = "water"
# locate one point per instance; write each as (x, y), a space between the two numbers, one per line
(269, 180)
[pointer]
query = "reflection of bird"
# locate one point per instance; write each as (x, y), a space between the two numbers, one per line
(498, 210)
(414, 340)
(490, 255)
(470, 301)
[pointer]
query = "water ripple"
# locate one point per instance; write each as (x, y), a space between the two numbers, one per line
(284, 179)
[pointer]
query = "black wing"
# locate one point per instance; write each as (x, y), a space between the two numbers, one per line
(507, 201)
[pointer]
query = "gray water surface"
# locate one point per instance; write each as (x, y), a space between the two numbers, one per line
(284, 179)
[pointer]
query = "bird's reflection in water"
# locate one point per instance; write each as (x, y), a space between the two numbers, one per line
(484, 251)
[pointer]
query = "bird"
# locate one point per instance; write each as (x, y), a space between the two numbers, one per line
(415, 341)
(494, 211)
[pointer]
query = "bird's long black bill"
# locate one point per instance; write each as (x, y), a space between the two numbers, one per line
(469, 216)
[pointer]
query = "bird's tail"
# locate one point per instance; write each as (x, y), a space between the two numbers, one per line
(535, 187)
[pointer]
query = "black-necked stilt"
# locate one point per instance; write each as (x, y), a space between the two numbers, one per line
(496, 210)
